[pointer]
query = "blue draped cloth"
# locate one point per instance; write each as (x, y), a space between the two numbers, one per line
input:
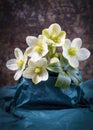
(26, 106)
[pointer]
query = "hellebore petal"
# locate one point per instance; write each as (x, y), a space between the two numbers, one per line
(77, 42)
(11, 64)
(18, 53)
(83, 54)
(31, 41)
(18, 74)
(54, 30)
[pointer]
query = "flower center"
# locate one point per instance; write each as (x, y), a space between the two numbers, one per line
(39, 48)
(72, 51)
(54, 38)
(20, 63)
(38, 70)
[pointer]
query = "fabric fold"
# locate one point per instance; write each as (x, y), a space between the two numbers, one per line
(26, 106)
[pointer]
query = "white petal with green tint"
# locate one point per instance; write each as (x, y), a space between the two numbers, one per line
(77, 43)
(28, 51)
(45, 32)
(65, 53)
(67, 44)
(83, 54)
(42, 62)
(24, 62)
(54, 30)
(35, 56)
(18, 53)
(31, 41)
(73, 61)
(11, 64)
(29, 72)
(61, 38)
(18, 75)
(31, 63)
(36, 79)
(44, 75)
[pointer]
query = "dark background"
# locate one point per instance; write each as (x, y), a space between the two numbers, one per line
(20, 18)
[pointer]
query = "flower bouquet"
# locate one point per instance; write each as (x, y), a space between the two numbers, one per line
(41, 57)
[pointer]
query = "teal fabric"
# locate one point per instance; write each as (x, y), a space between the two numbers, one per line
(46, 96)
(26, 106)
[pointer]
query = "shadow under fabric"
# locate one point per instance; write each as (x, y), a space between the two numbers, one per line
(26, 106)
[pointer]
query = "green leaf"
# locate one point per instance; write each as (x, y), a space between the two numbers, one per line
(63, 61)
(63, 81)
(55, 67)
(75, 75)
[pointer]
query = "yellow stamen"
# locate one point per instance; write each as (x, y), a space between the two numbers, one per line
(20, 63)
(72, 51)
(38, 70)
(39, 48)
(56, 40)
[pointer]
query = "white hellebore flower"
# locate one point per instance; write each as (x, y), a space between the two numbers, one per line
(54, 35)
(36, 70)
(17, 64)
(37, 47)
(74, 53)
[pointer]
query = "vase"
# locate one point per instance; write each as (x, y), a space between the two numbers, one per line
(45, 95)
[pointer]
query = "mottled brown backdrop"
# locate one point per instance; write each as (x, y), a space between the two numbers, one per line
(20, 18)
